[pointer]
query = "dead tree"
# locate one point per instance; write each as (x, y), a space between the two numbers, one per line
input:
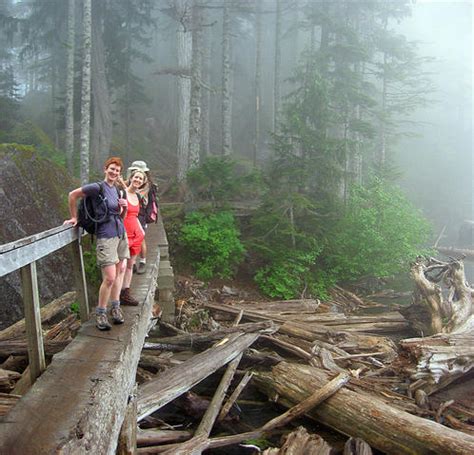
(434, 311)
(446, 314)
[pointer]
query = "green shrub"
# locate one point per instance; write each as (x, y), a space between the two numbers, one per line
(286, 276)
(378, 235)
(211, 243)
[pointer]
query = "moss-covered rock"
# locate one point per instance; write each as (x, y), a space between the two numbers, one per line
(33, 198)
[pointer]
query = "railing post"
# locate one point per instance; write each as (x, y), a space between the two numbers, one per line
(80, 279)
(29, 284)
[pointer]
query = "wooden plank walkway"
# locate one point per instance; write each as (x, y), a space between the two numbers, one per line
(77, 405)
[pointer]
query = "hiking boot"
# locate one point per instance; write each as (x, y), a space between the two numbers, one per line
(101, 322)
(117, 315)
(127, 299)
(141, 267)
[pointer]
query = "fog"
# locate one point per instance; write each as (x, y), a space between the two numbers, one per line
(430, 144)
(437, 163)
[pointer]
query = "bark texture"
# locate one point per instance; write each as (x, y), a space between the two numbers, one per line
(86, 91)
(184, 51)
(69, 108)
(101, 136)
(227, 82)
(361, 415)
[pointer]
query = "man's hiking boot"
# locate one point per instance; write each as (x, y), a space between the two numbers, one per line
(101, 322)
(117, 315)
(141, 267)
(127, 299)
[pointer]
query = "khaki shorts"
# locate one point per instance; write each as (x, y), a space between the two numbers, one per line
(111, 251)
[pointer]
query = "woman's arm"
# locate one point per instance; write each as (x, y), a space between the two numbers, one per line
(74, 195)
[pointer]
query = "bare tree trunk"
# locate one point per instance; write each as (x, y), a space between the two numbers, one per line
(86, 92)
(69, 108)
(277, 70)
(258, 77)
(226, 83)
(184, 43)
(102, 121)
(195, 113)
(128, 100)
(206, 93)
(383, 133)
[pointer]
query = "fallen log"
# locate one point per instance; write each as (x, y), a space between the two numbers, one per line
(356, 446)
(300, 442)
(156, 437)
(7, 401)
(198, 442)
(8, 379)
(177, 380)
(47, 313)
(317, 332)
(127, 440)
(460, 252)
(361, 415)
(439, 360)
(19, 347)
(235, 395)
(315, 399)
(203, 340)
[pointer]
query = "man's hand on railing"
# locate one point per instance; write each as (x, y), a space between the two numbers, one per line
(72, 221)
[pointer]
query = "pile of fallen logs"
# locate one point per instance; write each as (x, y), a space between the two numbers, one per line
(60, 326)
(333, 367)
(320, 367)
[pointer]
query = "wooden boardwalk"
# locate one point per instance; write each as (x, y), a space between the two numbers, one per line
(78, 404)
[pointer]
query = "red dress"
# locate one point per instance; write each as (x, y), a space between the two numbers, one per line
(134, 229)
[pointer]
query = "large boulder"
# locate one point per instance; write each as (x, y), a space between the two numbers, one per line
(33, 198)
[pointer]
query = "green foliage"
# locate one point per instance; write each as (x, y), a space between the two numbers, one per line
(93, 275)
(75, 307)
(261, 443)
(220, 179)
(379, 233)
(289, 276)
(212, 244)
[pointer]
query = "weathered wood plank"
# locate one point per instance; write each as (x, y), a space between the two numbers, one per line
(19, 253)
(34, 334)
(79, 402)
(172, 383)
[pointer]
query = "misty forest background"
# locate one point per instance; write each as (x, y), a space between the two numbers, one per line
(349, 122)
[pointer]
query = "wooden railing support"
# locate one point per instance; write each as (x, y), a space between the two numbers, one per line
(29, 284)
(80, 280)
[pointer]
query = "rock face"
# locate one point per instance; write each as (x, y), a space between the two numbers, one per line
(33, 198)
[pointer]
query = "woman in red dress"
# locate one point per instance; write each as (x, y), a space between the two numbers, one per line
(135, 232)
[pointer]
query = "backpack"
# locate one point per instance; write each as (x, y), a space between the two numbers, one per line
(93, 210)
(151, 210)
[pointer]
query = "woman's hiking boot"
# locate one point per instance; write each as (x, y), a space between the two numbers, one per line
(101, 321)
(127, 299)
(141, 267)
(117, 315)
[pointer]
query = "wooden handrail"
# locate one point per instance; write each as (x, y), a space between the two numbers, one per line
(22, 255)
(19, 253)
